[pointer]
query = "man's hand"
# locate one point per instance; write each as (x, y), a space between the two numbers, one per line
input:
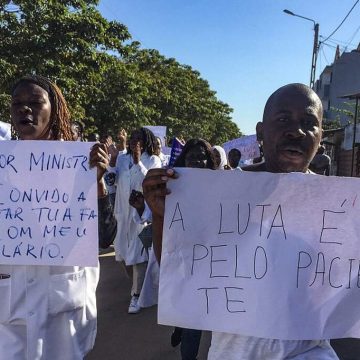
(154, 187)
(155, 191)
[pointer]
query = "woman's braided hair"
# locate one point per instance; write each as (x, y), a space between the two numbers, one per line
(60, 115)
(149, 141)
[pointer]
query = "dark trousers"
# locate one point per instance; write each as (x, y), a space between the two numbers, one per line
(190, 341)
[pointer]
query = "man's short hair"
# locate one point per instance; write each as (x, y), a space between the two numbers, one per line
(237, 151)
(301, 88)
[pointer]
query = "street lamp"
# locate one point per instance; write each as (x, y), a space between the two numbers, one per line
(315, 46)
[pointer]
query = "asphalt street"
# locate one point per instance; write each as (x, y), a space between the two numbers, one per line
(122, 336)
(138, 337)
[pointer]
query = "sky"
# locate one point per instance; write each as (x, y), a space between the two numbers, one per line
(245, 49)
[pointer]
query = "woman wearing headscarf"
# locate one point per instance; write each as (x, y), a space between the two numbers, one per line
(220, 157)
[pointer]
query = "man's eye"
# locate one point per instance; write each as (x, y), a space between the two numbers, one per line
(283, 119)
(309, 122)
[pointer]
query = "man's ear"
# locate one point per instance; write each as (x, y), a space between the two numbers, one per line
(259, 131)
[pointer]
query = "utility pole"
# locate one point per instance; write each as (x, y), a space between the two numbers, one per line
(315, 46)
(314, 55)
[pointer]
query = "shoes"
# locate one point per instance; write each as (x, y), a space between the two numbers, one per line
(134, 307)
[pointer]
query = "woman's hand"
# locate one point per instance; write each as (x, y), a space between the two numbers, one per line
(99, 158)
(122, 136)
(137, 201)
(137, 153)
(112, 151)
(155, 190)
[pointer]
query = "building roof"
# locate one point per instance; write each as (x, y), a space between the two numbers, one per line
(329, 131)
(351, 96)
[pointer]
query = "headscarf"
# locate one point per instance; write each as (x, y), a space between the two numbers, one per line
(223, 158)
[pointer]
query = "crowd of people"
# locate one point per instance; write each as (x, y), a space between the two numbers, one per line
(132, 174)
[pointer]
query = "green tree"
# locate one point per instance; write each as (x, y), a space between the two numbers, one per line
(329, 124)
(347, 109)
(107, 80)
(180, 99)
(68, 41)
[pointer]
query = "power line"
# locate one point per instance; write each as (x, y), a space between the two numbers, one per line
(341, 42)
(352, 38)
(327, 61)
(342, 21)
(329, 45)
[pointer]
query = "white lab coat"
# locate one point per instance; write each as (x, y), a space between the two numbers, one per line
(164, 160)
(150, 290)
(47, 312)
(127, 244)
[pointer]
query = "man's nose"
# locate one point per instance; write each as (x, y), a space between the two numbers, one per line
(295, 131)
(25, 109)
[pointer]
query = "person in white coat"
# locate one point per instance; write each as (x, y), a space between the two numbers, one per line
(46, 312)
(131, 169)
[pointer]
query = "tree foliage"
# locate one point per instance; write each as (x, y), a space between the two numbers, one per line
(331, 124)
(347, 111)
(108, 80)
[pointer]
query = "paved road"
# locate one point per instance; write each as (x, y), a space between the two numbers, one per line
(129, 337)
(138, 337)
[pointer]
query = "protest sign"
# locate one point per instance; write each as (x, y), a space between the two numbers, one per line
(5, 132)
(261, 254)
(176, 150)
(166, 150)
(160, 132)
(48, 204)
(248, 146)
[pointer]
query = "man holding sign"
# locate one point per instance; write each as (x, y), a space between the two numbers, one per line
(291, 132)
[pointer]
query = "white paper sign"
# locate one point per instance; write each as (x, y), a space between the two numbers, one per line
(248, 146)
(160, 132)
(260, 254)
(48, 204)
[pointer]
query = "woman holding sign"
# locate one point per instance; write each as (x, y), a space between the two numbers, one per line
(46, 312)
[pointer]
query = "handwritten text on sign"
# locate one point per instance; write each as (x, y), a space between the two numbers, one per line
(260, 254)
(48, 204)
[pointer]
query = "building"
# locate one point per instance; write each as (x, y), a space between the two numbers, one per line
(340, 78)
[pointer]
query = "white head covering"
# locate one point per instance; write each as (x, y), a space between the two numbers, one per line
(5, 132)
(223, 158)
